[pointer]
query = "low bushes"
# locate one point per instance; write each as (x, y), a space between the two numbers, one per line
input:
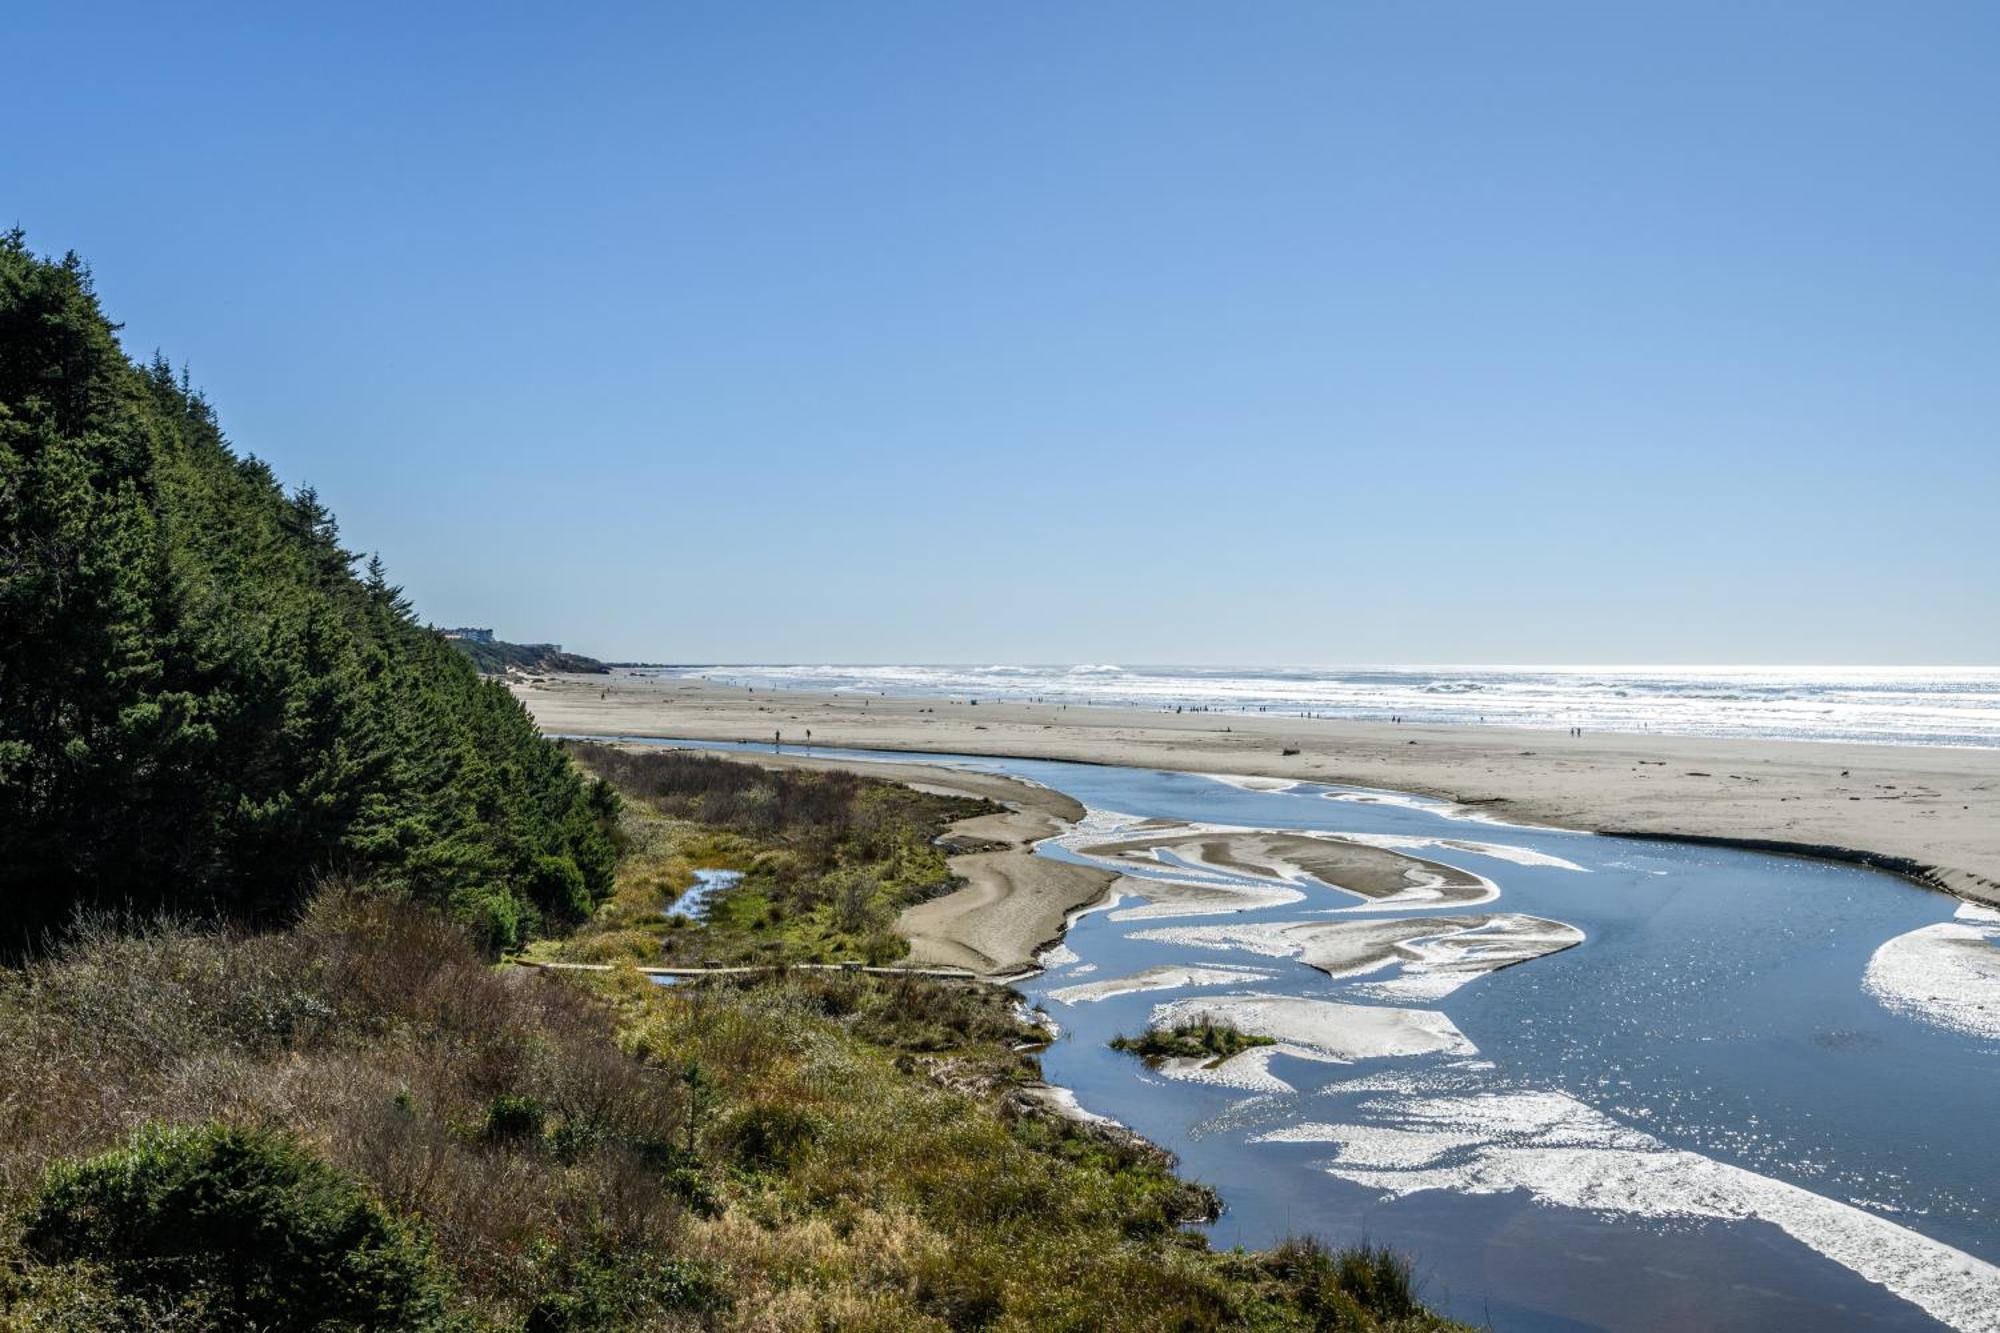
(495, 1106)
(1347, 1288)
(475, 1149)
(238, 1227)
(1206, 1039)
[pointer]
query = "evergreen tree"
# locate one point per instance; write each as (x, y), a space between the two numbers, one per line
(201, 704)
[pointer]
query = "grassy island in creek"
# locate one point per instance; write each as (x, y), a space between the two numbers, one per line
(263, 838)
(1207, 1040)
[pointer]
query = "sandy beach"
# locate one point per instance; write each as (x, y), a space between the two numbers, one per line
(1932, 814)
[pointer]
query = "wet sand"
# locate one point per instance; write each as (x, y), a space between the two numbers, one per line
(1932, 814)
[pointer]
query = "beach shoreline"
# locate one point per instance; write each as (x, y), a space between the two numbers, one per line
(1929, 814)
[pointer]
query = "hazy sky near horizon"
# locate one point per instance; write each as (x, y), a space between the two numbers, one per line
(1134, 332)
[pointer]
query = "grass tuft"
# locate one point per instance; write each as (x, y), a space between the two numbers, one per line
(1209, 1039)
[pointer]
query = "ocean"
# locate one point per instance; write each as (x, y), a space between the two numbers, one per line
(1957, 706)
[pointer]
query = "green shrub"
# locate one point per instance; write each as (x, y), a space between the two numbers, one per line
(511, 1118)
(81, 1298)
(558, 886)
(494, 917)
(250, 1224)
(1342, 1288)
(765, 1135)
(882, 947)
(1205, 1040)
(598, 1289)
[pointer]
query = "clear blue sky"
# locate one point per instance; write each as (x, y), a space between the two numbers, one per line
(1143, 332)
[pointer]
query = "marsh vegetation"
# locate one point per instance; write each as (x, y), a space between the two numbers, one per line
(828, 859)
(1208, 1039)
(519, 1149)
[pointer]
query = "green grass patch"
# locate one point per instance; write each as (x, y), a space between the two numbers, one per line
(1206, 1039)
(829, 860)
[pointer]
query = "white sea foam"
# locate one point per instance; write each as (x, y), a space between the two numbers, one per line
(1068, 1104)
(1500, 851)
(1433, 806)
(1405, 800)
(1561, 1151)
(1091, 835)
(1426, 892)
(1189, 897)
(1262, 937)
(1112, 897)
(1273, 870)
(1898, 705)
(1246, 1071)
(1435, 955)
(1167, 891)
(1323, 1029)
(1946, 974)
(1060, 955)
(1168, 977)
(1246, 782)
(1097, 824)
(1036, 1018)
(1410, 987)
(1382, 1147)
(1263, 868)
(1520, 856)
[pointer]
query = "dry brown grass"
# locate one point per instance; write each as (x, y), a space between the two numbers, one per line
(375, 1033)
(762, 1156)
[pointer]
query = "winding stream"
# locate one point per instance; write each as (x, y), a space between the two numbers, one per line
(1588, 1082)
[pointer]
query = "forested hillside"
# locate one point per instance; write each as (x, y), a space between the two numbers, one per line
(202, 704)
(495, 657)
(329, 1111)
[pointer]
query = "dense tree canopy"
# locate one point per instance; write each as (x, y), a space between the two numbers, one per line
(202, 704)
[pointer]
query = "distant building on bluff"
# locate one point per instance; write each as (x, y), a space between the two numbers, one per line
(469, 634)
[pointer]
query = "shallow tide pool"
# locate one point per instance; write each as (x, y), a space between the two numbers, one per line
(1586, 1082)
